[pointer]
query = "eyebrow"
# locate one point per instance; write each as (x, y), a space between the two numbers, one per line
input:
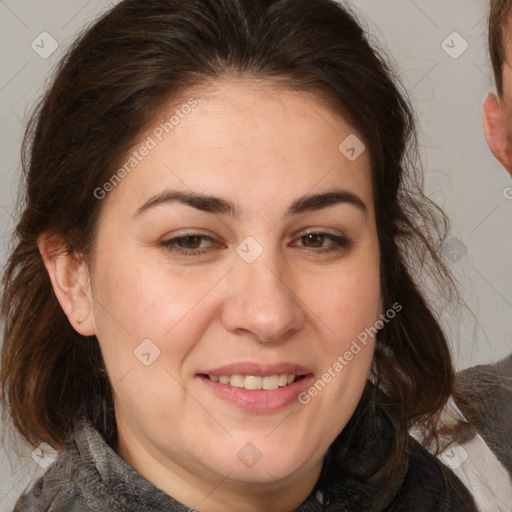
(218, 205)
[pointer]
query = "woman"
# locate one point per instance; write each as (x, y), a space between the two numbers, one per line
(211, 305)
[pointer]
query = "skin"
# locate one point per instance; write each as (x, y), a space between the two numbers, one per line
(497, 111)
(263, 148)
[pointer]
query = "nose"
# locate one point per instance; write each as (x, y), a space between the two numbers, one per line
(261, 302)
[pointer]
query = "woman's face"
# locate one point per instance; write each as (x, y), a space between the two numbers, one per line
(187, 293)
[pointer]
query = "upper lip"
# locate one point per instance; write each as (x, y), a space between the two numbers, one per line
(258, 369)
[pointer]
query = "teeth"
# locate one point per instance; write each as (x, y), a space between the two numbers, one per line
(282, 380)
(253, 383)
(238, 381)
(270, 382)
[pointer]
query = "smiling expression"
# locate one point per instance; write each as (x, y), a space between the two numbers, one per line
(243, 249)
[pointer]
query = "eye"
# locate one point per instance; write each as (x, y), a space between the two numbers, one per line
(187, 245)
(196, 244)
(318, 239)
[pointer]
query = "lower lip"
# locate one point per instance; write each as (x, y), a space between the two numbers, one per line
(259, 400)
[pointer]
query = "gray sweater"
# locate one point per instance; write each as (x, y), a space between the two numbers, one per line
(484, 395)
(89, 476)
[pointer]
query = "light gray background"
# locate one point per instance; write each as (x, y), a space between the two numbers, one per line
(447, 94)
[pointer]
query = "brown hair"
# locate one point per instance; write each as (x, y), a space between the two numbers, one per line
(498, 17)
(108, 88)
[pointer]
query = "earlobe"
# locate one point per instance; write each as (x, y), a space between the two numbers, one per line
(496, 133)
(71, 282)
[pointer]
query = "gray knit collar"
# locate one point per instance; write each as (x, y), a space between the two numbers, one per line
(352, 476)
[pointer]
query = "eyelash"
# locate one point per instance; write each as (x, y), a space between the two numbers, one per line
(340, 242)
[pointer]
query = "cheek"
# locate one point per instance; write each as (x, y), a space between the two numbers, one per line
(349, 309)
(141, 308)
(347, 303)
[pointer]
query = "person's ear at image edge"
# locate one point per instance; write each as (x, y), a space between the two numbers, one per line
(495, 130)
(70, 280)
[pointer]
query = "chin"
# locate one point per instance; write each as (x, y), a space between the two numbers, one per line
(267, 471)
(266, 464)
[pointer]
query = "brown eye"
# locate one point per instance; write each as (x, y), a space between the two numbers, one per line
(316, 241)
(187, 242)
(315, 238)
(189, 245)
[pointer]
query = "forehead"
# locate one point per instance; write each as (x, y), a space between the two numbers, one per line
(250, 142)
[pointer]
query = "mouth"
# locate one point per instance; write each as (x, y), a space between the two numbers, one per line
(257, 388)
(256, 382)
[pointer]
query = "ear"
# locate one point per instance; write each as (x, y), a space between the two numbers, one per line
(71, 282)
(496, 133)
